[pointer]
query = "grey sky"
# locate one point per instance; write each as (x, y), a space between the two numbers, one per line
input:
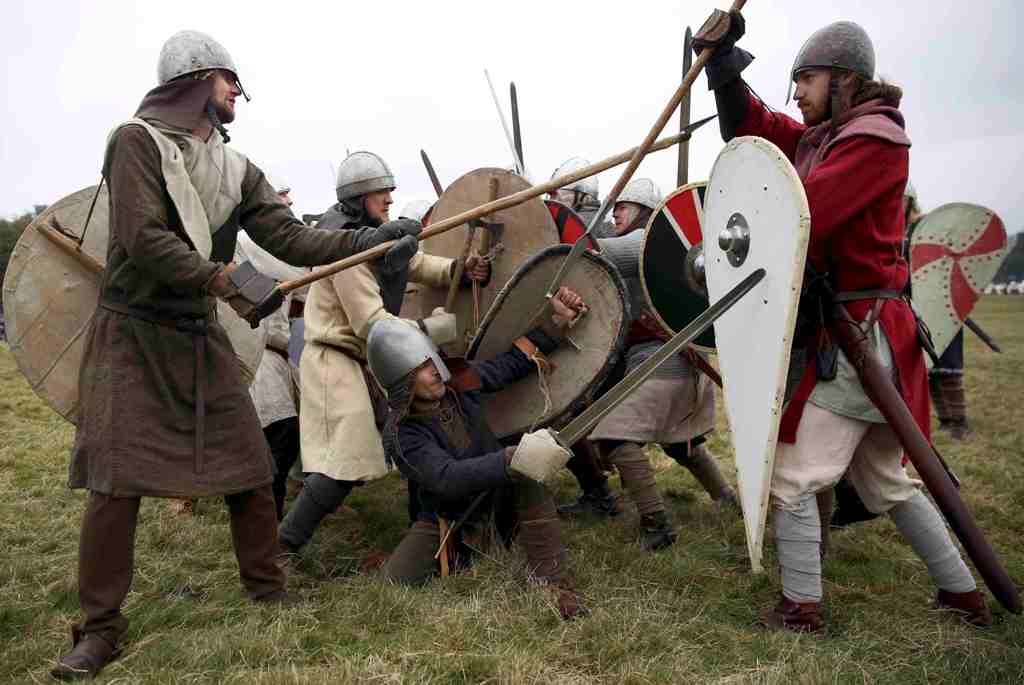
(395, 77)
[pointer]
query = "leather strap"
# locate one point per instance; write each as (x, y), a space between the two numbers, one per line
(877, 294)
(533, 353)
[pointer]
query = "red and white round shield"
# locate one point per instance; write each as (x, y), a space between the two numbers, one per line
(955, 251)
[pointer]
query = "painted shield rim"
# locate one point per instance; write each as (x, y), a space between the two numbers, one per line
(662, 207)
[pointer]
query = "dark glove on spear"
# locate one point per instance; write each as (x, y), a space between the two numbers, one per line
(720, 32)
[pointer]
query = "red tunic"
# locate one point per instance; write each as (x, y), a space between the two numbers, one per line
(854, 179)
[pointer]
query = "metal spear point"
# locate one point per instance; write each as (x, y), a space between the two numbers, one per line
(517, 133)
(683, 171)
(434, 180)
(641, 152)
(518, 163)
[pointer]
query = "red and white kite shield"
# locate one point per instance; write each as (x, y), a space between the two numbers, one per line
(955, 251)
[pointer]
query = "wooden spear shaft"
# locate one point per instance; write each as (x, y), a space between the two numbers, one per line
(479, 212)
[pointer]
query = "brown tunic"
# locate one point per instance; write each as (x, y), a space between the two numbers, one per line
(136, 433)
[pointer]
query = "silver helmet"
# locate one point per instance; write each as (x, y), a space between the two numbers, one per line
(642, 191)
(361, 173)
(415, 210)
(190, 52)
(840, 45)
(395, 347)
(587, 186)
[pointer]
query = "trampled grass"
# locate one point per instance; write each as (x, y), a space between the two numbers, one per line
(683, 615)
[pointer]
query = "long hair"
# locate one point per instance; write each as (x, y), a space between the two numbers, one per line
(865, 90)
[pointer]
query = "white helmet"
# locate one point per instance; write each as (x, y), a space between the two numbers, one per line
(415, 210)
(587, 186)
(361, 173)
(642, 191)
(190, 52)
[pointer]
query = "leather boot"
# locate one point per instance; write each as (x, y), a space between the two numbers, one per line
(598, 501)
(970, 606)
(799, 617)
(938, 400)
(90, 652)
(705, 469)
(956, 404)
(656, 532)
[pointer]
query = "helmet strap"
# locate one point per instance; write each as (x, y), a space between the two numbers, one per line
(211, 113)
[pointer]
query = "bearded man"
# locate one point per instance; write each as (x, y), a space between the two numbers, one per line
(341, 405)
(164, 410)
(852, 154)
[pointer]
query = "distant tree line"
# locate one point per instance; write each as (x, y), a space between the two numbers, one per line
(10, 231)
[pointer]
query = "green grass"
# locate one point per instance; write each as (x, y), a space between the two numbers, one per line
(684, 615)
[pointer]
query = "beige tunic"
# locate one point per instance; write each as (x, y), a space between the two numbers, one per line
(338, 430)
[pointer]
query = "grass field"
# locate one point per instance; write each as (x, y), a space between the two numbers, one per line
(683, 615)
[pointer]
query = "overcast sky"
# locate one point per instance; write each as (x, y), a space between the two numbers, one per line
(395, 77)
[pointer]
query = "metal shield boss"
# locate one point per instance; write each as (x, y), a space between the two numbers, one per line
(49, 298)
(955, 252)
(671, 263)
(508, 238)
(579, 365)
(755, 216)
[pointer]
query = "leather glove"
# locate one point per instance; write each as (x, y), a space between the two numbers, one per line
(368, 237)
(398, 257)
(251, 294)
(441, 327)
(720, 32)
(538, 456)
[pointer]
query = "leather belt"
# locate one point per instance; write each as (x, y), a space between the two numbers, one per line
(197, 327)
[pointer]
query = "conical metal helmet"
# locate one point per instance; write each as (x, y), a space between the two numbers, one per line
(361, 173)
(414, 210)
(189, 52)
(842, 45)
(642, 191)
(396, 347)
(587, 186)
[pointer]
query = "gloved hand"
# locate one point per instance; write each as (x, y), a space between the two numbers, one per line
(251, 294)
(441, 327)
(720, 33)
(397, 258)
(368, 237)
(538, 456)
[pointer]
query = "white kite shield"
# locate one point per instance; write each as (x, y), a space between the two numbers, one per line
(52, 288)
(755, 216)
(955, 252)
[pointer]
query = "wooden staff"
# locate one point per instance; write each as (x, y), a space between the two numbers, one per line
(478, 212)
(453, 288)
(70, 247)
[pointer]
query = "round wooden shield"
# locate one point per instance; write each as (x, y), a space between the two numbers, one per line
(955, 252)
(510, 237)
(756, 206)
(50, 296)
(673, 229)
(570, 225)
(579, 365)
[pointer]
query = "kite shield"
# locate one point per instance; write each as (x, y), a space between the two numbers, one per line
(508, 237)
(671, 244)
(51, 290)
(756, 216)
(579, 365)
(955, 252)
